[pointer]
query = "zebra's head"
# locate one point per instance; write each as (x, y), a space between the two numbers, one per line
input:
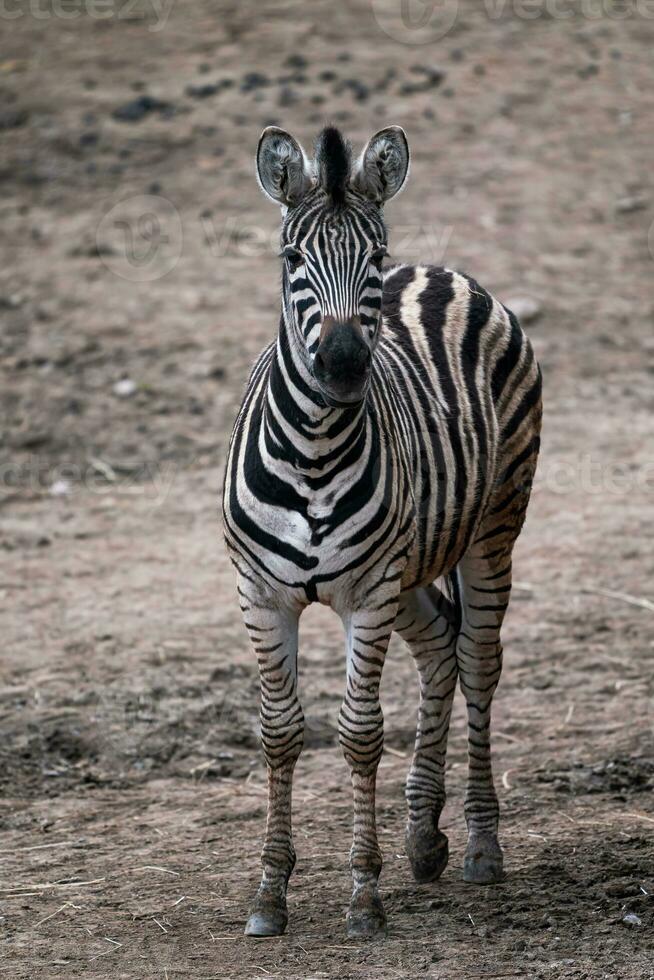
(333, 242)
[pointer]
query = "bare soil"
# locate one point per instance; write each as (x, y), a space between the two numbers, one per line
(132, 785)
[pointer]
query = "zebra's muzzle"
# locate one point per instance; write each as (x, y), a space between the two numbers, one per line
(342, 362)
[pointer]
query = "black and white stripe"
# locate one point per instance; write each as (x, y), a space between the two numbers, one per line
(357, 479)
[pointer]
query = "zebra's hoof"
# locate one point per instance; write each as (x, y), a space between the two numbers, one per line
(483, 862)
(428, 853)
(268, 916)
(366, 916)
(272, 923)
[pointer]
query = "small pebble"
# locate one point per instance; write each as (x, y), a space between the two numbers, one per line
(124, 388)
(296, 61)
(137, 109)
(627, 205)
(632, 921)
(254, 80)
(60, 488)
(527, 309)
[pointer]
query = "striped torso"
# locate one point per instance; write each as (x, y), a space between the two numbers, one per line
(324, 504)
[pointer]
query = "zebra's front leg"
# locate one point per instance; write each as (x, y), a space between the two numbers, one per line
(425, 623)
(485, 583)
(274, 636)
(361, 734)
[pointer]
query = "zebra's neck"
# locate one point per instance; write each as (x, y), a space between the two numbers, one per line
(300, 429)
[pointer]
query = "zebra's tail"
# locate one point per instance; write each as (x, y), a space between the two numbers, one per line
(454, 598)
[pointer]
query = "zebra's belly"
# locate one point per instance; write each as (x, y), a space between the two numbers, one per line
(442, 536)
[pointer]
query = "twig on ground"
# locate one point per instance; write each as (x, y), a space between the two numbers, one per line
(640, 816)
(41, 847)
(155, 867)
(632, 600)
(66, 905)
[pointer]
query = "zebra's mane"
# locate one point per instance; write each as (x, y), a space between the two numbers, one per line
(333, 163)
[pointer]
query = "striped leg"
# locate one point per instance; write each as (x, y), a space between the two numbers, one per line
(485, 583)
(361, 734)
(425, 623)
(274, 636)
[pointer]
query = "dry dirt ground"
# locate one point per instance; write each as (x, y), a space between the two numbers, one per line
(132, 784)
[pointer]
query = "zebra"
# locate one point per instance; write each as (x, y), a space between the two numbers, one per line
(381, 463)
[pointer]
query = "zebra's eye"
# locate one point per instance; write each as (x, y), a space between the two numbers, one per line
(378, 255)
(293, 256)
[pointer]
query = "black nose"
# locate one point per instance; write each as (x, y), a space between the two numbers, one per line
(343, 357)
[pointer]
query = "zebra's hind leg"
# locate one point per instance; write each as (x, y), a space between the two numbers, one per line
(274, 636)
(485, 585)
(425, 622)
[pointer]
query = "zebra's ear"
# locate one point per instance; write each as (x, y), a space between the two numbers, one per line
(382, 169)
(283, 169)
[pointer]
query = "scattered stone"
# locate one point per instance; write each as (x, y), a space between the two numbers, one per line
(124, 388)
(627, 205)
(287, 97)
(209, 89)
(297, 78)
(621, 889)
(296, 61)
(12, 301)
(527, 309)
(384, 82)
(588, 71)
(632, 921)
(13, 118)
(254, 80)
(30, 438)
(89, 138)
(359, 91)
(327, 76)
(433, 78)
(60, 488)
(137, 109)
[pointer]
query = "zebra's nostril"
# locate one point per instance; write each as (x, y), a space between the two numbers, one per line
(319, 363)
